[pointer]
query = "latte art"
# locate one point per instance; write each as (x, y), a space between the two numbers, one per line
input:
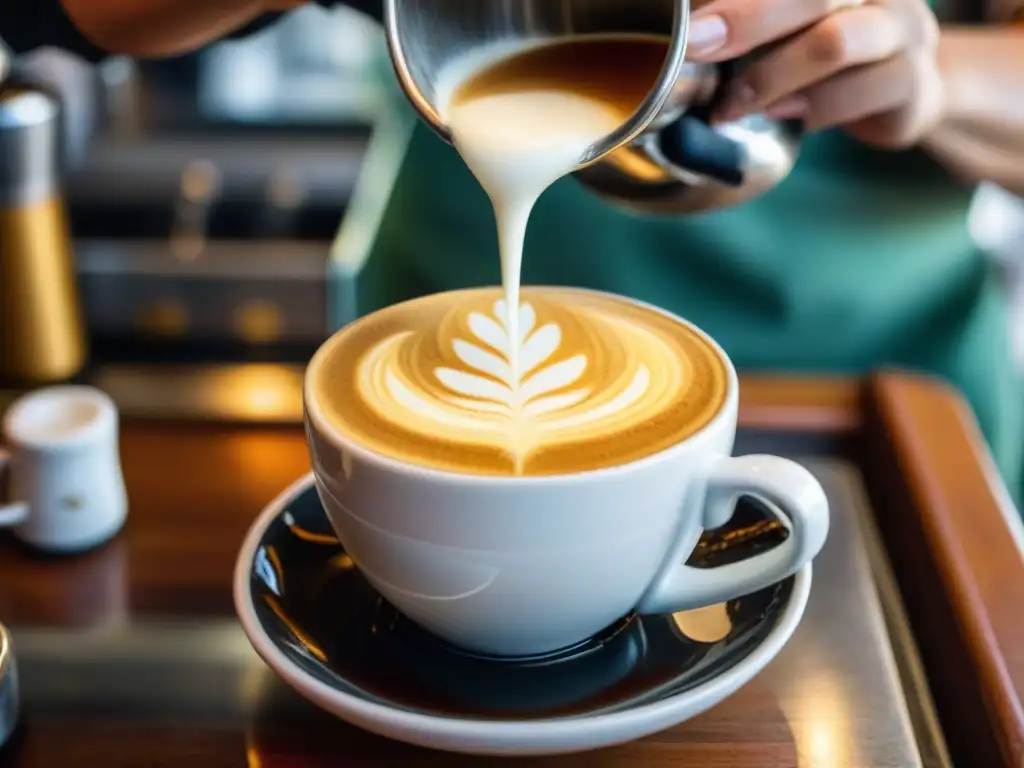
(555, 399)
(522, 121)
(599, 382)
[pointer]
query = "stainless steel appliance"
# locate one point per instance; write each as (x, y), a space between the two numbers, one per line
(669, 157)
(42, 335)
(211, 205)
(212, 188)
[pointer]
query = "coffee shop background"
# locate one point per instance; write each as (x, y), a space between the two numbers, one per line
(222, 205)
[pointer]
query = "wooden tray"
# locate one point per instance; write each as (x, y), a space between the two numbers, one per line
(950, 532)
(148, 618)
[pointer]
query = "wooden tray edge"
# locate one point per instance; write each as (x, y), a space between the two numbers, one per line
(942, 515)
(789, 404)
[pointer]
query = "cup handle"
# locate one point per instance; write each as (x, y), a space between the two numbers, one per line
(14, 513)
(790, 491)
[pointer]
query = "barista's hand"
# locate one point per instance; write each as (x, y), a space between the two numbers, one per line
(867, 66)
(147, 28)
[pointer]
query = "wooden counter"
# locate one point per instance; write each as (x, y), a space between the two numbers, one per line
(162, 588)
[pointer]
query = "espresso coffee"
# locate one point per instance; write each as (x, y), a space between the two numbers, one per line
(523, 119)
(602, 382)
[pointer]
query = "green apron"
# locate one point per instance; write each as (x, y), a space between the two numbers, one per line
(859, 259)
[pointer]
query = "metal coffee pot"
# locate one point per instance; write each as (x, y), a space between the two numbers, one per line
(669, 157)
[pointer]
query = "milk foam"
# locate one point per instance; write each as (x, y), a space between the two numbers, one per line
(602, 382)
(517, 144)
(552, 398)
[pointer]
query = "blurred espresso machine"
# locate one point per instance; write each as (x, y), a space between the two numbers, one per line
(181, 211)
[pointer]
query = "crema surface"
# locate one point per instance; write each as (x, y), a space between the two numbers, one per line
(601, 382)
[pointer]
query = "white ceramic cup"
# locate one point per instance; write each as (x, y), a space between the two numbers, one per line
(65, 492)
(520, 566)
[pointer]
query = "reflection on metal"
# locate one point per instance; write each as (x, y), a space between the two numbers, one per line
(930, 740)
(837, 681)
(189, 671)
(740, 536)
(305, 640)
(268, 566)
(81, 669)
(342, 562)
(301, 533)
(633, 162)
(705, 625)
(822, 724)
(174, 644)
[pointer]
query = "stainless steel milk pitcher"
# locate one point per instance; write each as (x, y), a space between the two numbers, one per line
(669, 157)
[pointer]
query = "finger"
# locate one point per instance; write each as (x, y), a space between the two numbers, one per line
(919, 113)
(846, 39)
(860, 93)
(725, 29)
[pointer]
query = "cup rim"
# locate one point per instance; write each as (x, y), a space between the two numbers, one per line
(317, 422)
(20, 438)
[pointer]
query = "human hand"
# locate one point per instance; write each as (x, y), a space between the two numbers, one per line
(148, 28)
(868, 67)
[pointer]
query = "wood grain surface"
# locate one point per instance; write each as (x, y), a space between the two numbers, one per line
(194, 489)
(746, 729)
(193, 492)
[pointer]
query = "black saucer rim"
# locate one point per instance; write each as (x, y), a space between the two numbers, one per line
(375, 715)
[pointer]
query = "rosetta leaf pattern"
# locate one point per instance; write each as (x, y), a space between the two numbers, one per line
(488, 386)
(476, 398)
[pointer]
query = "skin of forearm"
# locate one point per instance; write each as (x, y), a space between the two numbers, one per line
(154, 28)
(981, 134)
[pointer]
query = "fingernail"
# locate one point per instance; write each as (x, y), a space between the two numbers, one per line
(706, 35)
(788, 108)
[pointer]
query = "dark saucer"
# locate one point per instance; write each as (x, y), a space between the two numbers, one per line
(322, 617)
